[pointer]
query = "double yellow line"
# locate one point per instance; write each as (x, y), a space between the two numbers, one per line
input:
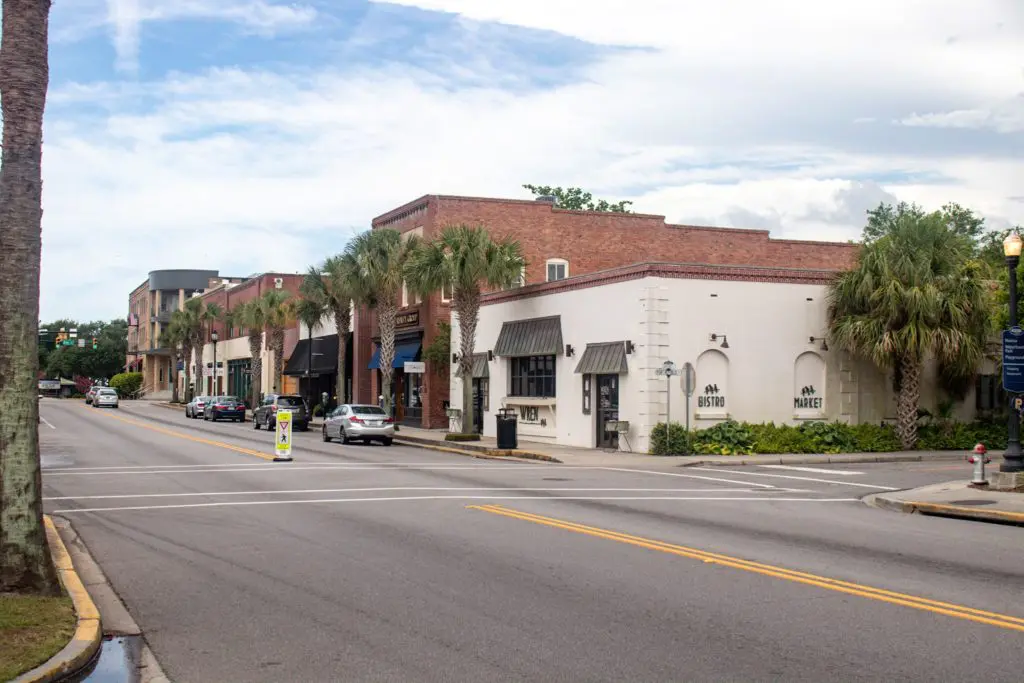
(189, 437)
(891, 597)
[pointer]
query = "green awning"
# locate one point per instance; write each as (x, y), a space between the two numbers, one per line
(606, 358)
(531, 337)
(480, 367)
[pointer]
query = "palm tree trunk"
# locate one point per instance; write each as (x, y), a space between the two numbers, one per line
(174, 378)
(386, 317)
(342, 324)
(277, 345)
(198, 350)
(467, 305)
(25, 564)
(907, 402)
(186, 360)
(255, 368)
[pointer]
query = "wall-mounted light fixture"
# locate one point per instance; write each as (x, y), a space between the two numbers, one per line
(629, 347)
(569, 350)
(725, 342)
(490, 355)
(824, 344)
(455, 358)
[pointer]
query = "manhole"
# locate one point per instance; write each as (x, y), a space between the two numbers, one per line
(556, 479)
(972, 502)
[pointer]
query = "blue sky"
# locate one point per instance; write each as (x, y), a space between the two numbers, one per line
(248, 135)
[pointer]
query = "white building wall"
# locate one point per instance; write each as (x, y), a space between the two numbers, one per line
(770, 372)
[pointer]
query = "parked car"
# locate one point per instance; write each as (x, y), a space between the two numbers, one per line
(224, 407)
(264, 415)
(367, 423)
(105, 397)
(194, 408)
(91, 394)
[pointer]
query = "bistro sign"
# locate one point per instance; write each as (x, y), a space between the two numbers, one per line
(711, 398)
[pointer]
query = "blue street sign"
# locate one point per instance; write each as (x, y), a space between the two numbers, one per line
(1013, 360)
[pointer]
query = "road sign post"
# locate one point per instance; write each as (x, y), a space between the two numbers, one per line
(688, 380)
(669, 370)
(283, 436)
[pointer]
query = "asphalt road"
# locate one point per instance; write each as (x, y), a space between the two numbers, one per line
(369, 563)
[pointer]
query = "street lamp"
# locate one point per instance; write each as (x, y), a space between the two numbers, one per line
(1013, 458)
(213, 338)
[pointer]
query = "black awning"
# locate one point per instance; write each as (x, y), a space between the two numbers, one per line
(325, 357)
(607, 358)
(532, 337)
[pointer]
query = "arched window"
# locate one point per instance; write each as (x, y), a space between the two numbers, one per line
(809, 386)
(712, 384)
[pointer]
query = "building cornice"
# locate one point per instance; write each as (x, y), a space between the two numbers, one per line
(682, 271)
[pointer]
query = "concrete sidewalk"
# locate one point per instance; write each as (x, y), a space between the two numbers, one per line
(957, 499)
(487, 446)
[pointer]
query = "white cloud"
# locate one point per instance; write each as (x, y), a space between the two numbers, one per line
(1004, 117)
(744, 114)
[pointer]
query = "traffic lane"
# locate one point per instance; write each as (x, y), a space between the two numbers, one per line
(430, 591)
(891, 475)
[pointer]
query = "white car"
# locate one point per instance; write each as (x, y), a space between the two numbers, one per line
(105, 397)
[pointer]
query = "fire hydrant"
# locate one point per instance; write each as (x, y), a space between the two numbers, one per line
(979, 459)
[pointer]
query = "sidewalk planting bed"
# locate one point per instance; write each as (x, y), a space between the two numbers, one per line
(32, 629)
(742, 438)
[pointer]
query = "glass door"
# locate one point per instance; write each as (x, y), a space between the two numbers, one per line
(607, 410)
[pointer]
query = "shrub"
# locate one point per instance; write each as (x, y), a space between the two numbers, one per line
(736, 438)
(82, 384)
(126, 383)
(461, 437)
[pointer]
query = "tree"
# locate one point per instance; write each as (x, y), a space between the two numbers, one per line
(106, 360)
(575, 199)
(175, 337)
(250, 316)
(309, 312)
(466, 259)
(379, 258)
(331, 285)
(278, 314)
(915, 292)
(960, 221)
(25, 564)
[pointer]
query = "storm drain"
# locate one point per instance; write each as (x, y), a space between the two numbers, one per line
(972, 502)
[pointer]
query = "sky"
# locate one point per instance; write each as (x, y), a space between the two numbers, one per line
(260, 135)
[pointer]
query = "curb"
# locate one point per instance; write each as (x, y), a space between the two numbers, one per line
(837, 459)
(941, 510)
(84, 645)
(483, 453)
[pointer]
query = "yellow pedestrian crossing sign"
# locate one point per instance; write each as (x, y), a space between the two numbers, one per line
(283, 436)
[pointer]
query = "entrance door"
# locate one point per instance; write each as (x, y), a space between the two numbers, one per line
(479, 388)
(607, 410)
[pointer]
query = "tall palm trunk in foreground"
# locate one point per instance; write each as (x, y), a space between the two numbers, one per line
(25, 564)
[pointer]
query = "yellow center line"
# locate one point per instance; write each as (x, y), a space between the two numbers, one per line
(945, 608)
(196, 439)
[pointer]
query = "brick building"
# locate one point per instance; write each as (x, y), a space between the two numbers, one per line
(557, 244)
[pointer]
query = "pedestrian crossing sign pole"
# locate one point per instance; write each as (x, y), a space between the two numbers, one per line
(283, 436)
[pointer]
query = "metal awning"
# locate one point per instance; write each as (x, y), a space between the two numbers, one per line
(325, 357)
(480, 367)
(606, 358)
(532, 337)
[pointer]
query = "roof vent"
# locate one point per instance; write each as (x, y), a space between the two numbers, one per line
(546, 198)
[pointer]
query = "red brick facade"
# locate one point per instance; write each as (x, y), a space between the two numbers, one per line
(229, 298)
(590, 242)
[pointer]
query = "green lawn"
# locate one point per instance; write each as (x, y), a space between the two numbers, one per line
(32, 629)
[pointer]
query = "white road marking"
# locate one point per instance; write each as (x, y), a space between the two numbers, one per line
(234, 464)
(46, 422)
(421, 498)
(687, 476)
(786, 476)
(277, 469)
(412, 488)
(816, 470)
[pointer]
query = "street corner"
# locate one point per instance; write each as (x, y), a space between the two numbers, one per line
(85, 643)
(955, 500)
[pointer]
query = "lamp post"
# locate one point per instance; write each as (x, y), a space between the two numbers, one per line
(1013, 458)
(213, 338)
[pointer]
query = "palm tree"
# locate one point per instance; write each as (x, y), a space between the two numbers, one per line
(309, 312)
(175, 337)
(25, 564)
(465, 259)
(250, 316)
(331, 285)
(379, 257)
(915, 293)
(278, 314)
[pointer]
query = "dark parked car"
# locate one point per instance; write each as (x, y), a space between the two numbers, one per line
(224, 408)
(265, 414)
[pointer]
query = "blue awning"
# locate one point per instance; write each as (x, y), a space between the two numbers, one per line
(403, 352)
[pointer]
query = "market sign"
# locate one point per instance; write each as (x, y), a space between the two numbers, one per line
(807, 400)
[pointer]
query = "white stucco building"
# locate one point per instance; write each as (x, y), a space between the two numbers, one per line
(571, 355)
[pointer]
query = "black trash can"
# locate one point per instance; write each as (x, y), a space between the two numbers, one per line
(508, 436)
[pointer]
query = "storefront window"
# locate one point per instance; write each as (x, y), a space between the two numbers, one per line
(533, 376)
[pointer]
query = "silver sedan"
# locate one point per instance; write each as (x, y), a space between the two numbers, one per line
(105, 397)
(352, 422)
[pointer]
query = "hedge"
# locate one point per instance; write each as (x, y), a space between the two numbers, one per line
(126, 383)
(742, 438)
